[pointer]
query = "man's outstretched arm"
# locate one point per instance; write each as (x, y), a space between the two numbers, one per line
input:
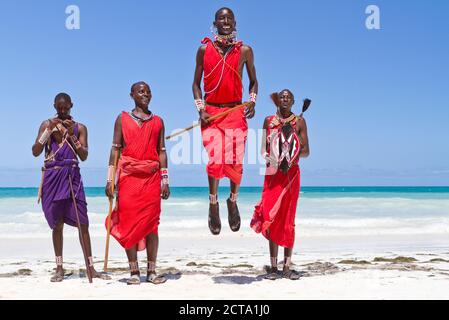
(253, 83)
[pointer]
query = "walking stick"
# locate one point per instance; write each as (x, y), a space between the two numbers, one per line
(111, 200)
(89, 274)
(210, 119)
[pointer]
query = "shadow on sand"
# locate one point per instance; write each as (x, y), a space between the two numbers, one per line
(237, 279)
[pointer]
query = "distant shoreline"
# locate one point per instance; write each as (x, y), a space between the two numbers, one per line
(334, 191)
(315, 188)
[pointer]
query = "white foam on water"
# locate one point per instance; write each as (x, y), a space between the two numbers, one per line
(372, 226)
(373, 207)
(343, 216)
(183, 203)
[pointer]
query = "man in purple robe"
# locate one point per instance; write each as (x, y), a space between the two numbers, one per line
(63, 140)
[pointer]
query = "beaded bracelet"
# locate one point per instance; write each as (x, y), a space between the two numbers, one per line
(164, 175)
(199, 103)
(75, 142)
(44, 136)
(253, 97)
(110, 173)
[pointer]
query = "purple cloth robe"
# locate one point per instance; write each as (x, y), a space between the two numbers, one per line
(57, 202)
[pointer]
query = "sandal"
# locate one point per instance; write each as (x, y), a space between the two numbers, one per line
(134, 280)
(214, 220)
(290, 274)
(234, 216)
(273, 274)
(57, 277)
(102, 276)
(155, 279)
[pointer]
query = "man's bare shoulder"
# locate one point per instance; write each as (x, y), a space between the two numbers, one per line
(82, 126)
(246, 48)
(160, 118)
(301, 119)
(266, 121)
(301, 122)
(200, 54)
(45, 123)
(247, 52)
(202, 48)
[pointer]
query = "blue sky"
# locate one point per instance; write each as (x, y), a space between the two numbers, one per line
(380, 106)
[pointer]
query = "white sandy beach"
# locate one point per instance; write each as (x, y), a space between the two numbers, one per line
(231, 266)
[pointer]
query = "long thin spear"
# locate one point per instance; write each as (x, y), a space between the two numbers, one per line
(78, 224)
(222, 114)
(111, 200)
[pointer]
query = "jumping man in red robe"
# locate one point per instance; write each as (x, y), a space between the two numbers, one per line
(142, 180)
(222, 62)
(285, 140)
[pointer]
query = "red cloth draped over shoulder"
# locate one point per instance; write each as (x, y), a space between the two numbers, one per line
(222, 80)
(224, 138)
(138, 208)
(274, 215)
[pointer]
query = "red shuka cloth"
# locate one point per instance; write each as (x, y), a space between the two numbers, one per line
(274, 215)
(230, 87)
(224, 138)
(138, 208)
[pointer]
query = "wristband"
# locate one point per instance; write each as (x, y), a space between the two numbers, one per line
(110, 173)
(199, 103)
(75, 142)
(164, 176)
(253, 97)
(44, 136)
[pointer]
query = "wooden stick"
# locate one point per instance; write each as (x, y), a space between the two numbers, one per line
(86, 260)
(209, 119)
(111, 200)
(39, 192)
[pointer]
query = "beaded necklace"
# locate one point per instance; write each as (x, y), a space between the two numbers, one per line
(278, 120)
(229, 39)
(139, 119)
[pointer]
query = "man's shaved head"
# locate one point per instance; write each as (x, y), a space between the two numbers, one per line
(139, 83)
(288, 91)
(64, 96)
(221, 9)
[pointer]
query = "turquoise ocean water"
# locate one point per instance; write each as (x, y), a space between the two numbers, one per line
(436, 192)
(322, 211)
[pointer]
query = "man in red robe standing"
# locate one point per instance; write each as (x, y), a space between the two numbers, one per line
(220, 64)
(285, 140)
(142, 180)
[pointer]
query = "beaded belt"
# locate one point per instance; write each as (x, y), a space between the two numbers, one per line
(224, 105)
